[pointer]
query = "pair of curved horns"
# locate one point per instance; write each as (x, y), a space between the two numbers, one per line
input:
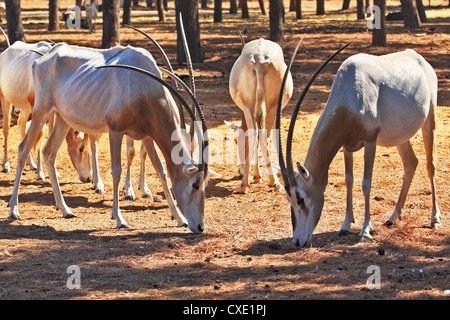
(166, 60)
(287, 169)
(178, 81)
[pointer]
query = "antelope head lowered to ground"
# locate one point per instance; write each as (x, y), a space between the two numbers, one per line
(255, 82)
(374, 100)
(17, 88)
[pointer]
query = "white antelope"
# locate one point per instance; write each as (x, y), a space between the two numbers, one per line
(91, 15)
(255, 82)
(154, 157)
(374, 100)
(17, 88)
(119, 102)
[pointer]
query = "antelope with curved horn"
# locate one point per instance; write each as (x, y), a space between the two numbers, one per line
(374, 100)
(128, 104)
(129, 192)
(254, 86)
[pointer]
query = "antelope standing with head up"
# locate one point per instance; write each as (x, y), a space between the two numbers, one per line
(374, 100)
(120, 102)
(255, 82)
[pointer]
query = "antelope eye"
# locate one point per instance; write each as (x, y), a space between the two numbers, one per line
(300, 200)
(195, 186)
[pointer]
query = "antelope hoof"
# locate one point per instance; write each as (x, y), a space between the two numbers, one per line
(6, 168)
(182, 224)
(344, 232)
(14, 214)
(435, 224)
(130, 197)
(100, 189)
(122, 225)
(277, 186)
(69, 215)
(389, 223)
(146, 193)
(365, 238)
(257, 180)
(40, 176)
(243, 189)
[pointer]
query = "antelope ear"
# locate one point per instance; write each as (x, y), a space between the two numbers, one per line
(189, 168)
(303, 171)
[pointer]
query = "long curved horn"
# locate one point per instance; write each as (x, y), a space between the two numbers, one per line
(190, 68)
(188, 56)
(37, 52)
(6, 38)
(290, 169)
(205, 142)
(172, 90)
(278, 119)
(166, 60)
(242, 39)
(190, 93)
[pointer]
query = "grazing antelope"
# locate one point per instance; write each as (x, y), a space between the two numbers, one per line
(254, 86)
(119, 102)
(17, 88)
(154, 157)
(374, 100)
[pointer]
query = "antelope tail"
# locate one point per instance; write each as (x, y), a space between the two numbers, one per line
(260, 117)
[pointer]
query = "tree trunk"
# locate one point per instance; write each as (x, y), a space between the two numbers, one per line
(217, 10)
(379, 35)
(14, 21)
(410, 15)
(261, 5)
(161, 12)
(360, 12)
(204, 4)
(345, 4)
(189, 12)
(276, 20)
(244, 8)
(366, 6)
(298, 9)
(111, 30)
(126, 16)
(53, 15)
(421, 11)
(233, 7)
(320, 7)
(292, 5)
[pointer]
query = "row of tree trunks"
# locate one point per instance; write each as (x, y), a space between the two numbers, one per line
(413, 13)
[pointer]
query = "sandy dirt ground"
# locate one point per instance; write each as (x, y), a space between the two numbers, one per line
(245, 251)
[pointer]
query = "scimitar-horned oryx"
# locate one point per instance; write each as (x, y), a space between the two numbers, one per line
(374, 100)
(254, 86)
(126, 103)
